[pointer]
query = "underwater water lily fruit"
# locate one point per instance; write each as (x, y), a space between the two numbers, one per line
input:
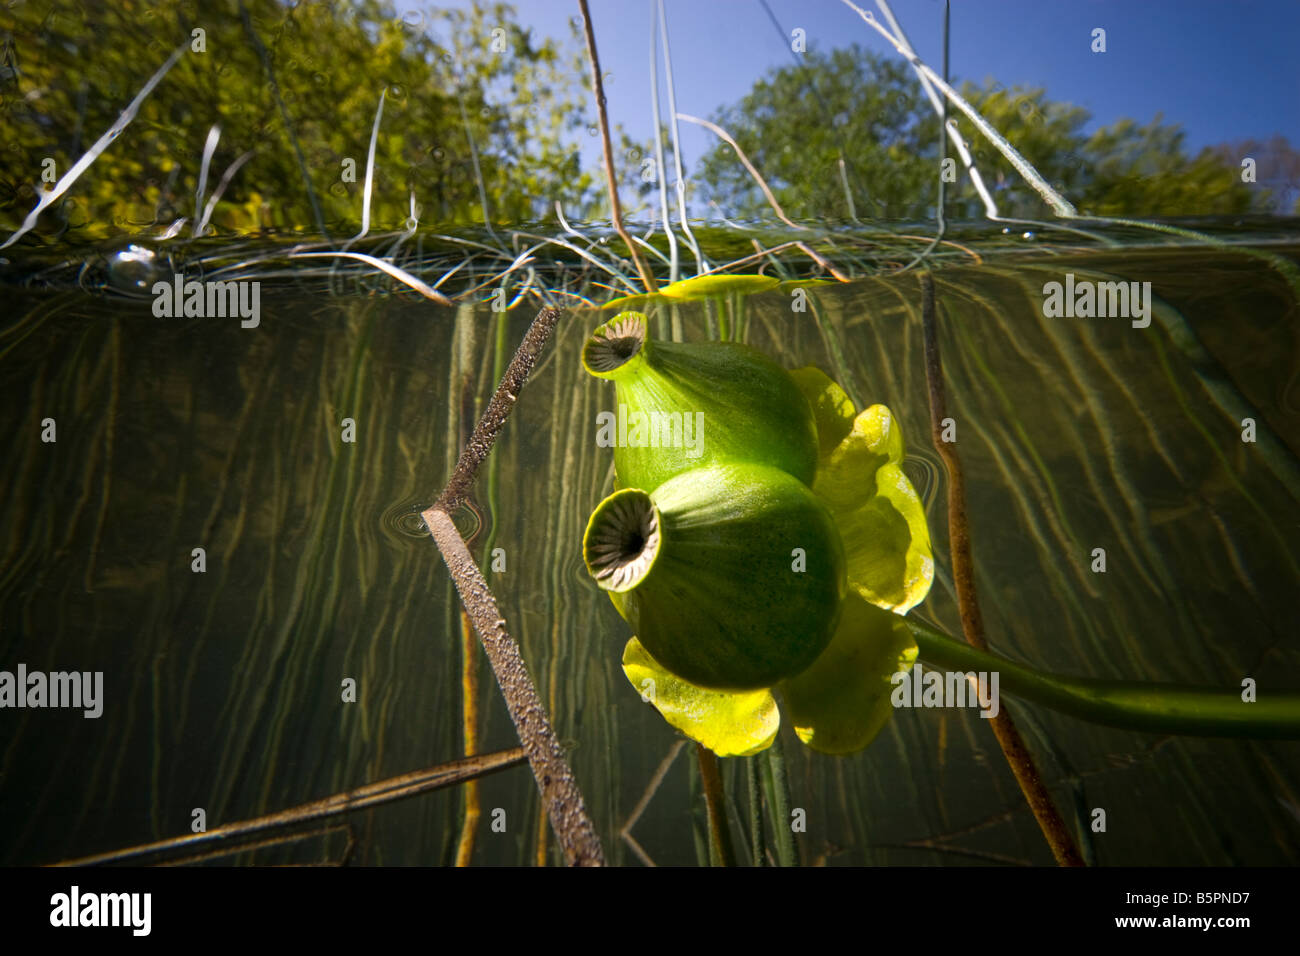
(732, 576)
(683, 406)
(779, 562)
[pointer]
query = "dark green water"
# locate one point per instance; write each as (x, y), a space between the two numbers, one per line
(222, 688)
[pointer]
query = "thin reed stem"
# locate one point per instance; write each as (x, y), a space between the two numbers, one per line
(615, 207)
(963, 569)
(715, 800)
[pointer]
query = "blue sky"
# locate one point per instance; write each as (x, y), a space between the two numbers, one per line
(1224, 69)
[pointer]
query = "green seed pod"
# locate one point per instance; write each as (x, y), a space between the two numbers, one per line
(687, 406)
(731, 576)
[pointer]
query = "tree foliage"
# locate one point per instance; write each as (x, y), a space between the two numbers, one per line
(297, 85)
(850, 131)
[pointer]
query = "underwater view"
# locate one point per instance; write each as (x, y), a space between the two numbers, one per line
(491, 435)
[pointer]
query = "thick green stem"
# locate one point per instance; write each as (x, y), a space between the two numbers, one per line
(1132, 705)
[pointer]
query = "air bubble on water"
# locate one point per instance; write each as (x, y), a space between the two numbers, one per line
(134, 269)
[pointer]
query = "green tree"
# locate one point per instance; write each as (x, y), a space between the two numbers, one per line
(1277, 168)
(296, 86)
(798, 121)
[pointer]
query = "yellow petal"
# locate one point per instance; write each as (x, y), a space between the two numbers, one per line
(840, 703)
(880, 516)
(730, 723)
(832, 409)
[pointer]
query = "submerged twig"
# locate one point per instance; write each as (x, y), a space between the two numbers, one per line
(560, 794)
(503, 400)
(615, 207)
(373, 794)
(778, 788)
(625, 833)
(963, 572)
(757, 845)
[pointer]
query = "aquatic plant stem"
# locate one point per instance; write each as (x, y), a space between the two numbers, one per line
(674, 261)
(779, 801)
(716, 803)
(757, 845)
(1149, 707)
(701, 265)
(963, 571)
(469, 723)
(615, 207)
